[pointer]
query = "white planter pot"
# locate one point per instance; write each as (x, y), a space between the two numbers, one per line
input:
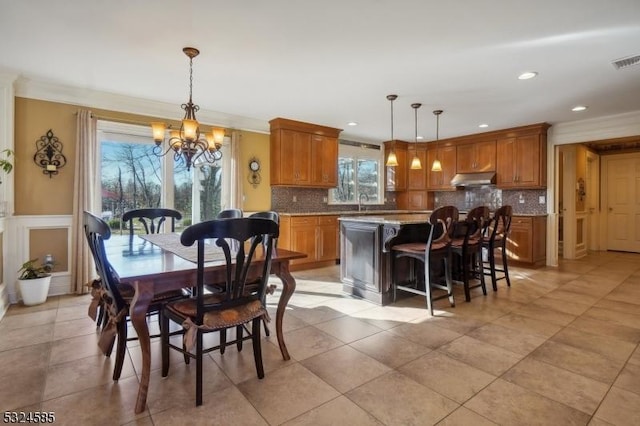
(35, 291)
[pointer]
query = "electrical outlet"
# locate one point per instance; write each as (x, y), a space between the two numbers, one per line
(295, 199)
(325, 199)
(541, 199)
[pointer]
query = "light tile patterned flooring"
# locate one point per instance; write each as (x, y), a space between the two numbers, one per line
(560, 347)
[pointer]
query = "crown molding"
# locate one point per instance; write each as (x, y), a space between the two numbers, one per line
(46, 91)
(594, 129)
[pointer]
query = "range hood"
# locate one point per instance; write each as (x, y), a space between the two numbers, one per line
(474, 179)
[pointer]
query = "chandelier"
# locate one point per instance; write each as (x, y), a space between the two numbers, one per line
(188, 144)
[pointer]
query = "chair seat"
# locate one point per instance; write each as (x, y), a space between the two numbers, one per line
(459, 242)
(218, 319)
(410, 247)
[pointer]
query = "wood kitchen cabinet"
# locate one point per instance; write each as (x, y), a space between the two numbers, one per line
(476, 157)
(316, 236)
(521, 159)
(417, 179)
(324, 160)
(527, 243)
(303, 154)
(396, 176)
(441, 181)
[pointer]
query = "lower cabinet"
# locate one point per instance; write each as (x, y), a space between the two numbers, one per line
(316, 236)
(527, 241)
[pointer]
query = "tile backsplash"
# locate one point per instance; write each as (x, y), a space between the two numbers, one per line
(525, 201)
(312, 200)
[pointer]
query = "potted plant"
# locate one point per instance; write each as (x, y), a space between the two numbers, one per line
(34, 281)
(5, 164)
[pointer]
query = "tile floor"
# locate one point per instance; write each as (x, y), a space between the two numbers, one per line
(560, 347)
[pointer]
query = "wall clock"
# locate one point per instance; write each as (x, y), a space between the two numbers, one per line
(254, 172)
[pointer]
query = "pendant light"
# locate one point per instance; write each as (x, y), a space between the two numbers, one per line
(437, 166)
(392, 160)
(415, 163)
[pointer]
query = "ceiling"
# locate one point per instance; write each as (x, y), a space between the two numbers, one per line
(334, 61)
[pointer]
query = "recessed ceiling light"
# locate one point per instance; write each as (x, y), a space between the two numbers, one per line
(419, 138)
(483, 125)
(578, 108)
(527, 75)
(352, 123)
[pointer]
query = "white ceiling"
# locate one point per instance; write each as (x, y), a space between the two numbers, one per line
(334, 61)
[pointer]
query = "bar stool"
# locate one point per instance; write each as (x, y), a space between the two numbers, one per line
(437, 247)
(468, 249)
(498, 233)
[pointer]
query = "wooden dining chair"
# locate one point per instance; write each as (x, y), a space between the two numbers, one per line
(210, 312)
(152, 219)
(434, 252)
(116, 296)
(229, 214)
(496, 241)
(466, 249)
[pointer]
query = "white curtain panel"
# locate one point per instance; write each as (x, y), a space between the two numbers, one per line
(85, 197)
(236, 171)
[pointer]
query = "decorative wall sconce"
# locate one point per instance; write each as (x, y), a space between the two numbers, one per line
(254, 172)
(49, 154)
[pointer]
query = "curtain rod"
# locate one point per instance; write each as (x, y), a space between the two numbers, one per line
(143, 123)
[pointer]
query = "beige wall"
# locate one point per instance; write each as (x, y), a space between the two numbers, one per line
(37, 194)
(255, 145)
(49, 241)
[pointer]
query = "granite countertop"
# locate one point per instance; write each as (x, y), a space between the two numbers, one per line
(387, 213)
(354, 213)
(394, 219)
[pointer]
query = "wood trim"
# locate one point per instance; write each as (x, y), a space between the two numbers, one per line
(284, 123)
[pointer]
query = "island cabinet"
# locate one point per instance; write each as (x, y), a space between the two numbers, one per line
(396, 176)
(303, 154)
(521, 159)
(476, 157)
(365, 253)
(441, 181)
(316, 236)
(527, 242)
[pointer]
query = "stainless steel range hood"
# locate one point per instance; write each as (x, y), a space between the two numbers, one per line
(474, 179)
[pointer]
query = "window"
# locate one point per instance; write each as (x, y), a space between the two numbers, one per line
(132, 176)
(359, 175)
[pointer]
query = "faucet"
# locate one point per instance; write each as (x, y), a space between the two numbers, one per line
(366, 197)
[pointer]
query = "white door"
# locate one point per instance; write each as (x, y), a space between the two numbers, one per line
(623, 203)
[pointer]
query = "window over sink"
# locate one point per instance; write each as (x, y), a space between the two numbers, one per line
(360, 175)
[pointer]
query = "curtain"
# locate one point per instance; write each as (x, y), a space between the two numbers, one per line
(236, 172)
(84, 198)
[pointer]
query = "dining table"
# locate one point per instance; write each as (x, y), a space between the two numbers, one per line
(154, 265)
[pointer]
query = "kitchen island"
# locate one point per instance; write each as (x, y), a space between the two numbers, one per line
(365, 255)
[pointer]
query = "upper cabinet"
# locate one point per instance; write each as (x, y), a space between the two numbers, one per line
(521, 158)
(396, 176)
(417, 179)
(441, 181)
(476, 157)
(303, 154)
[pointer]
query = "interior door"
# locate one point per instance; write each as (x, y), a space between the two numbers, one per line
(623, 203)
(592, 199)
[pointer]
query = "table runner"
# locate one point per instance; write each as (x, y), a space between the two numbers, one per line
(171, 242)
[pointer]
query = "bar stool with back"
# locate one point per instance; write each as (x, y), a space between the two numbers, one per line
(434, 253)
(498, 233)
(467, 249)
